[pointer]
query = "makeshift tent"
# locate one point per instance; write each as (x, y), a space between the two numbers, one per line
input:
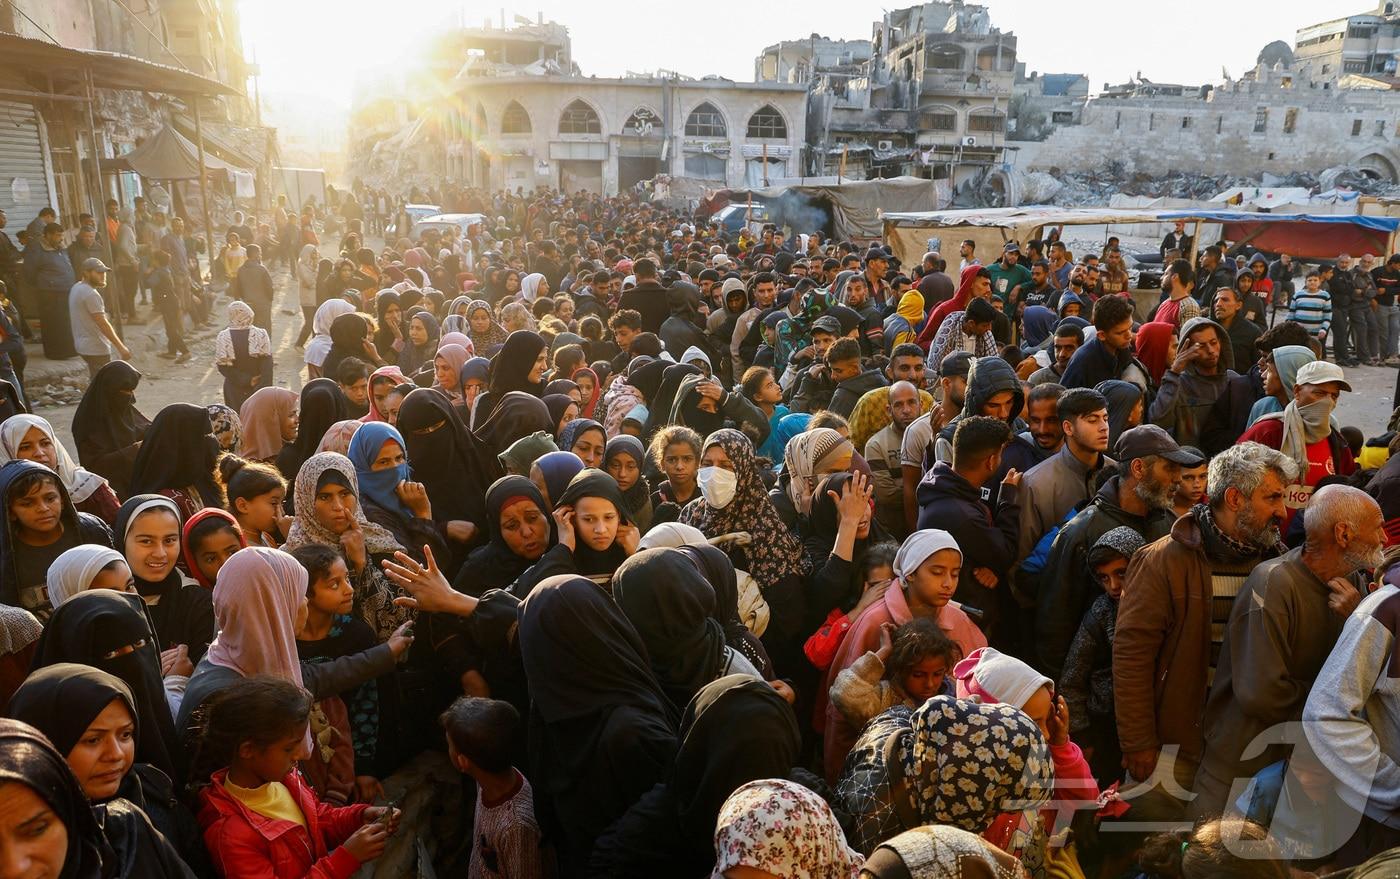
(1303, 236)
(168, 155)
(853, 208)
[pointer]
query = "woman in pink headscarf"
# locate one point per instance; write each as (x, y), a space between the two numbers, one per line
(447, 370)
(381, 384)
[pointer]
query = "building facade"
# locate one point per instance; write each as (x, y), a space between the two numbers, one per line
(1367, 43)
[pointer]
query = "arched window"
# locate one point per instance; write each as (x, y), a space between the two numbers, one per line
(515, 120)
(705, 121)
(944, 56)
(579, 118)
(767, 122)
(642, 123)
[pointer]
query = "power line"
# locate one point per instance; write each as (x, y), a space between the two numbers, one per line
(159, 41)
(36, 24)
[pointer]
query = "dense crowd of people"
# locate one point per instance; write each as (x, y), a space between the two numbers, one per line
(699, 553)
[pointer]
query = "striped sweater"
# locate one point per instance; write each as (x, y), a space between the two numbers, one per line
(1312, 310)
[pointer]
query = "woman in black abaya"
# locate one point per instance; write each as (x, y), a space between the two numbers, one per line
(178, 459)
(519, 366)
(107, 427)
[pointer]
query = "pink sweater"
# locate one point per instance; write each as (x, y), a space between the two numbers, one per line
(1074, 789)
(865, 635)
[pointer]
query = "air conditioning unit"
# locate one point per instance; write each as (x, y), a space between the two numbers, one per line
(884, 146)
(969, 141)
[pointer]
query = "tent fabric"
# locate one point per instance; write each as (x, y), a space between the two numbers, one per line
(1375, 224)
(168, 155)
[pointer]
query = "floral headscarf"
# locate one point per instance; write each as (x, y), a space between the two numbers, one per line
(495, 336)
(750, 510)
(306, 530)
(807, 455)
(337, 438)
(240, 317)
(226, 426)
(784, 829)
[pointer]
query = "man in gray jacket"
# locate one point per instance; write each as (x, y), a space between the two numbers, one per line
(1282, 626)
(1193, 381)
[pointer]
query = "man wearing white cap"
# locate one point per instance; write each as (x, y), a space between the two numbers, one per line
(1303, 431)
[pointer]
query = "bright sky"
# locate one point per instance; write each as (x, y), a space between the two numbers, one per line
(321, 45)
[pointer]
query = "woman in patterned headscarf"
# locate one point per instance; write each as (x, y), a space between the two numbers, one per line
(482, 328)
(950, 761)
(807, 458)
(783, 829)
(243, 354)
(327, 509)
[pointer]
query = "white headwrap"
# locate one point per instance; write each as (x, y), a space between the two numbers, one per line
(320, 344)
(672, 535)
(79, 482)
(73, 571)
(240, 317)
(529, 286)
(917, 547)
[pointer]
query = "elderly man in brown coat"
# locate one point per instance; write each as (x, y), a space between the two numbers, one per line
(1173, 614)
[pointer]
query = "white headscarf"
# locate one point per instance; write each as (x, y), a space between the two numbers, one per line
(672, 535)
(320, 344)
(79, 482)
(917, 547)
(73, 571)
(240, 317)
(530, 285)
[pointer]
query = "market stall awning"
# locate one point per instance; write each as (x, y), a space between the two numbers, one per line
(110, 70)
(168, 155)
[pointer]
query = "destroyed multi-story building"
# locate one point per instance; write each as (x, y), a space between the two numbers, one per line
(932, 101)
(520, 114)
(801, 60)
(92, 79)
(1366, 43)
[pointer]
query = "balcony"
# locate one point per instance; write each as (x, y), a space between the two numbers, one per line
(957, 82)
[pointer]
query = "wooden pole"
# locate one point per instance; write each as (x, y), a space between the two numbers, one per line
(204, 190)
(99, 212)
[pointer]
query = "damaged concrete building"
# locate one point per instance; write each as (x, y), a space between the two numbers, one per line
(932, 100)
(521, 114)
(85, 79)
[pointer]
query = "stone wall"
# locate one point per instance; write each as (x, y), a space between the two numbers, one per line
(1219, 134)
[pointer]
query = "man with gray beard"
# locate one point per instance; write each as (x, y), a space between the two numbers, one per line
(1282, 628)
(1140, 497)
(1175, 604)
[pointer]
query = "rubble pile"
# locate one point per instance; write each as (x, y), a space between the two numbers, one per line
(1081, 189)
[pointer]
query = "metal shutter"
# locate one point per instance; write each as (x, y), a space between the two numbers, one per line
(21, 158)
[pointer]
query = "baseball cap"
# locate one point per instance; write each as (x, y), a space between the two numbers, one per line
(1011, 247)
(93, 264)
(827, 324)
(1149, 439)
(956, 364)
(1317, 372)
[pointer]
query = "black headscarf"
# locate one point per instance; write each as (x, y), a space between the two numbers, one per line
(107, 420)
(495, 565)
(348, 333)
(62, 700)
(322, 404)
(574, 429)
(659, 410)
(584, 660)
(670, 604)
(557, 404)
(9, 565)
(11, 403)
(670, 830)
(383, 336)
(516, 415)
(719, 571)
(561, 386)
(595, 483)
(686, 409)
(823, 523)
(26, 757)
(92, 626)
(414, 356)
(1122, 397)
(647, 378)
(637, 499)
(454, 466)
(510, 368)
(180, 450)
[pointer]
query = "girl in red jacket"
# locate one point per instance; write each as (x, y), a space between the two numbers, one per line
(260, 820)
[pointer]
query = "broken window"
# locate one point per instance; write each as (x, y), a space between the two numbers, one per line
(1062, 117)
(1380, 128)
(515, 120)
(579, 118)
(767, 122)
(1355, 127)
(941, 121)
(1185, 121)
(705, 121)
(1290, 121)
(944, 57)
(1261, 120)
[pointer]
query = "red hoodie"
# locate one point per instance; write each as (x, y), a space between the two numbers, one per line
(246, 845)
(947, 307)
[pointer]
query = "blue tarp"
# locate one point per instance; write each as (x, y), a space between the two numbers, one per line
(1377, 224)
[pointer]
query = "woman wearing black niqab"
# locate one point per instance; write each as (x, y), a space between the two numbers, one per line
(670, 830)
(348, 334)
(516, 367)
(602, 733)
(322, 404)
(659, 407)
(454, 466)
(516, 415)
(107, 427)
(178, 459)
(62, 701)
(109, 630)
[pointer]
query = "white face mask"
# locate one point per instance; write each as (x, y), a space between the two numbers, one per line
(717, 485)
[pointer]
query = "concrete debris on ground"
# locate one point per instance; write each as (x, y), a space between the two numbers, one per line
(1114, 178)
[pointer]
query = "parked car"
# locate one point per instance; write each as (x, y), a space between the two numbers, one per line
(467, 225)
(733, 217)
(415, 213)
